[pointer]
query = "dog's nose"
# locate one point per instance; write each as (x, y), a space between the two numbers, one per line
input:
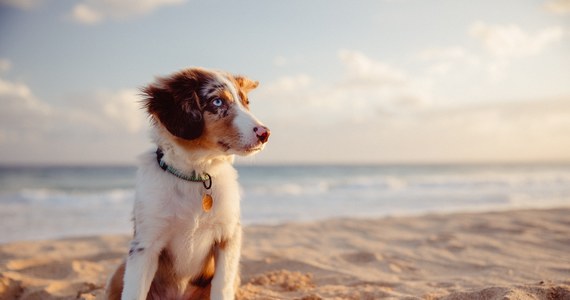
(262, 133)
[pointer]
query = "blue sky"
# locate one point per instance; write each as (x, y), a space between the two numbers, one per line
(341, 81)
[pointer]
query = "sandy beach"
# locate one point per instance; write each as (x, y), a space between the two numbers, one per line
(500, 255)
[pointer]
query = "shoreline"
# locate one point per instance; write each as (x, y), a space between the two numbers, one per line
(470, 255)
(362, 217)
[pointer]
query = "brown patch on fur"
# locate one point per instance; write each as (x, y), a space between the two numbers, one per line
(209, 140)
(200, 286)
(196, 293)
(245, 85)
(225, 94)
(220, 130)
(115, 287)
(174, 102)
(222, 244)
(205, 276)
(165, 284)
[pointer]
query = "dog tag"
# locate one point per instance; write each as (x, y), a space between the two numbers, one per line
(207, 202)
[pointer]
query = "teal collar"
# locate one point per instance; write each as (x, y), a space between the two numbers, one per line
(204, 178)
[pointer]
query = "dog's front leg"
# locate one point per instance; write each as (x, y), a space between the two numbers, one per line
(142, 264)
(227, 265)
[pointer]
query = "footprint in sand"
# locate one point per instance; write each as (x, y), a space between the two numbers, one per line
(285, 280)
(360, 257)
(52, 270)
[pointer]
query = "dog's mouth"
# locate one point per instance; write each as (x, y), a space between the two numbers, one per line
(251, 149)
(242, 150)
(254, 149)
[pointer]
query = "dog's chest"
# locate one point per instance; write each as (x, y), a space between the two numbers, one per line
(190, 247)
(196, 230)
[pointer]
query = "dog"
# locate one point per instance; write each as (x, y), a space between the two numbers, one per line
(187, 232)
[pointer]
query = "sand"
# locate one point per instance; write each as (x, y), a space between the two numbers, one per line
(501, 255)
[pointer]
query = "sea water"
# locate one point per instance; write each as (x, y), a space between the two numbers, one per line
(55, 202)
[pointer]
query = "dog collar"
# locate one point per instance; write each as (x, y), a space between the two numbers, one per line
(205, 178)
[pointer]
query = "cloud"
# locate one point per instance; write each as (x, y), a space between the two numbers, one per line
(32, 130)
(362, 70)
(104, 112)
(100, 113)
(123, 108)
(22, 4)
(366, 89)
(559, 7)
(23, 116)
(510, 41)
(5, 65)
(522, 130)
(503, 44)
(381, 85)
(378, 111)
(447, 59)
(288, 84)
(96, 11)
(536, 130)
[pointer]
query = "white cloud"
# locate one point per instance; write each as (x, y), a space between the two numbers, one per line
(85, 14)
(95, 11)
(288, 84)
(23, 116)
(5, 65)
(501, 45)
(510, 41)
(106, 126)
(22, 4)
(559, 7)
(123, 107)
(516, 131)
(362, 70)
(444, 53)
(365, 90)
(447, 59)
(391, 113)
(106, 112)
(384, 86)
(531, 130)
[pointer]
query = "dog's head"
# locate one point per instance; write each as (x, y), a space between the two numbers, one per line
(208, 110)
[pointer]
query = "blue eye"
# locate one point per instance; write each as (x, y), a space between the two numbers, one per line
(218, 102)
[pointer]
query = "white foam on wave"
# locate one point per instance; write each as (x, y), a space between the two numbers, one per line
(49, 213)
(284, 195)
(411, 192)
(54, 196)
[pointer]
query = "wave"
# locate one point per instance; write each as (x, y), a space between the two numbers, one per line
(430, 182)
(65, 197)
(55, 208)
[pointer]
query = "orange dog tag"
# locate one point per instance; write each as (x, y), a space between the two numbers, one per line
(207, 202)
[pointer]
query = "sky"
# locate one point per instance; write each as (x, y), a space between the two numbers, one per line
(380, 81)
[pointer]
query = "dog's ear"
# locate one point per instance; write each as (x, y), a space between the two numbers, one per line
(245, 83)
(175, 102)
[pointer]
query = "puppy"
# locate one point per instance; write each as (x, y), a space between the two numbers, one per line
(187, 232)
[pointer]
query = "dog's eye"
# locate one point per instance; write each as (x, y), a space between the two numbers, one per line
(218, 102)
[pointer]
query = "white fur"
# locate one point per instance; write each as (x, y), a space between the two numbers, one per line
(244, 121)
(168, 213)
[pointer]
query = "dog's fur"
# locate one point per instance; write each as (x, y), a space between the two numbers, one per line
(180, 250)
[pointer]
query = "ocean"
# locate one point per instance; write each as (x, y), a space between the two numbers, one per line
(57, 202)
